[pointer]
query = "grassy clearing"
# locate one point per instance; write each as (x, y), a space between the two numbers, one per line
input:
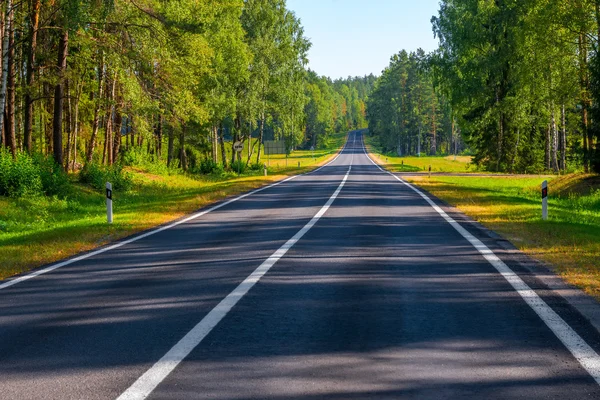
(511, 206)
(420, 164)
(40, 230)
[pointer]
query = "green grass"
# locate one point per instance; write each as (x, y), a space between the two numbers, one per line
(39, 230)
(280, 163)
(569, 240)
(420, 164)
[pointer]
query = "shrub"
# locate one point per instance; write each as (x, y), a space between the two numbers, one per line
(137, 157)
(238, 166)
(55, 181)
(208, 166)
(19, 176)
(97, 175)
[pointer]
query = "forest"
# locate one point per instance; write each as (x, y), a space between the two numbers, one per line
(518, 81)
(88, 84)
(407, 112)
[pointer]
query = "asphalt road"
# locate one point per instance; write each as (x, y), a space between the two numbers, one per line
(343, 284)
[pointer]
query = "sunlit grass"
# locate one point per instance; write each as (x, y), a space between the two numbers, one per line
(511, 206)
(420, 164)
(41, 230)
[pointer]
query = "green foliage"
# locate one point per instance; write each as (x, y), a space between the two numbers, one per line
(517, 77)
(19, 176)
(406, 112)
(27, 175)
(97, 176)
(238, 166)
(208, 166)
(55, 181)
(137, 157)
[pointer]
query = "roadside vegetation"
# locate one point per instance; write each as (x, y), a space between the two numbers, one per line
(151, 96)
(522, 100)
(569, 241)
(37, 228)
(395, 163)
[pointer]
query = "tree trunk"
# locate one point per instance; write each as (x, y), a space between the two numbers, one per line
(109, 130)
(96, 123)
(554, 142)
(59, 97)
(563, 140)
(516, 154)
(584, 87)
(170, 147)
(260, 135)
(76, 125)
(182, 154)
(547, 156)
(105, 147)
(34, 18)
(159, 135)
(500, 140)
(222, 142)
(251, 146)
(11, 140)
(433, 129)
(69, 125)
(5, 51)
(117, 127)
(215, 143)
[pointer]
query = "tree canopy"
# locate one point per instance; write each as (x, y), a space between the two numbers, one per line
(175, 81)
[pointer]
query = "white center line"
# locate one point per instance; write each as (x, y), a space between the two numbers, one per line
(586, 356)
(145, 384)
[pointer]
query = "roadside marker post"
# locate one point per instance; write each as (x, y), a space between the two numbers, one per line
(265, 169)
(430, 171)
(109, 208)
(545, 200)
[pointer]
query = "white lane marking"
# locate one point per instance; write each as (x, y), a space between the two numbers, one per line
(155, 231)
(586, 356)
(145, 384)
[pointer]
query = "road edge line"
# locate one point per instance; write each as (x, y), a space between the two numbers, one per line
(583, 352)
(69, 261)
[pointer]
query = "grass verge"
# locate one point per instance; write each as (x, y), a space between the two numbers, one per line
(419, 164)
(41, 230)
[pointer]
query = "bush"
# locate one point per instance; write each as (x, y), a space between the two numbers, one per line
(55, 181)
(19, 176)
(208, 166)
(137, 157)
(238, 166)
(97, 175)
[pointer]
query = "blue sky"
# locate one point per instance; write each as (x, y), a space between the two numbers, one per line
(358, 37)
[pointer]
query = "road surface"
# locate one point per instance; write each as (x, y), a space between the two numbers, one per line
(343, 284)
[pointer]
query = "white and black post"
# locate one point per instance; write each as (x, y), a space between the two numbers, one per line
(545, 200)
(109, 210)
